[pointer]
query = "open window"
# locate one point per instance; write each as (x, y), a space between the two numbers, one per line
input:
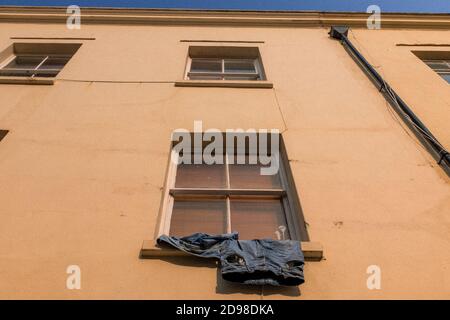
(35, 60)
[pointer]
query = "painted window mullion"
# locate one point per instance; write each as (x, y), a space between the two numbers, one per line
(223, 69)
(227, 171)
(42, 62)
(39, 65)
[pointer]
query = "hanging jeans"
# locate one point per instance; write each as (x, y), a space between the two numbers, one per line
(256, 262)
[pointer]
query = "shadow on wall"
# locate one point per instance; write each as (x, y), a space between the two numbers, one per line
(3, 133)
(227, 287)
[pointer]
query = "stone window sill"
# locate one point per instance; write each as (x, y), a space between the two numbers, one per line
(27, 80)
(313, 251)
(225, 84)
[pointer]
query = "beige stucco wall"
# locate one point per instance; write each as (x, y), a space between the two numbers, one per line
(83, 167)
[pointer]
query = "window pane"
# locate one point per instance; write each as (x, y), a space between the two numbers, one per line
(248, 176)
(201, 176)
(239, 66)
(446, 76)
(45, 74)
(438, 64)
(25, 62)
(249, 77)
(16, 73)
(203, 77)
(259, 219)
(54, 63)
(192, 216)
(203, 65)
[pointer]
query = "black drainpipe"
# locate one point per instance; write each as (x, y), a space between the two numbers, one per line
(425, 136)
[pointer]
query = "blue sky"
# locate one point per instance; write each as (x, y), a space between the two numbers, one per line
(429, 6)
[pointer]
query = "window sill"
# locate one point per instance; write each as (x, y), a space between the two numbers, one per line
(27, 80)
(225, 83)
(313, 251)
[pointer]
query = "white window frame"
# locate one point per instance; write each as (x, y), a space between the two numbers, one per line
(258, 74)
(284, 194)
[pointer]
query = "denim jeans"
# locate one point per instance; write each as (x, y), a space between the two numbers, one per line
(256, 262)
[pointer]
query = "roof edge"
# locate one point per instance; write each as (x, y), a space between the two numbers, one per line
(90, 15)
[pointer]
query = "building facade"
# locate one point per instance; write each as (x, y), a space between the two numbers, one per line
(87, 117)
